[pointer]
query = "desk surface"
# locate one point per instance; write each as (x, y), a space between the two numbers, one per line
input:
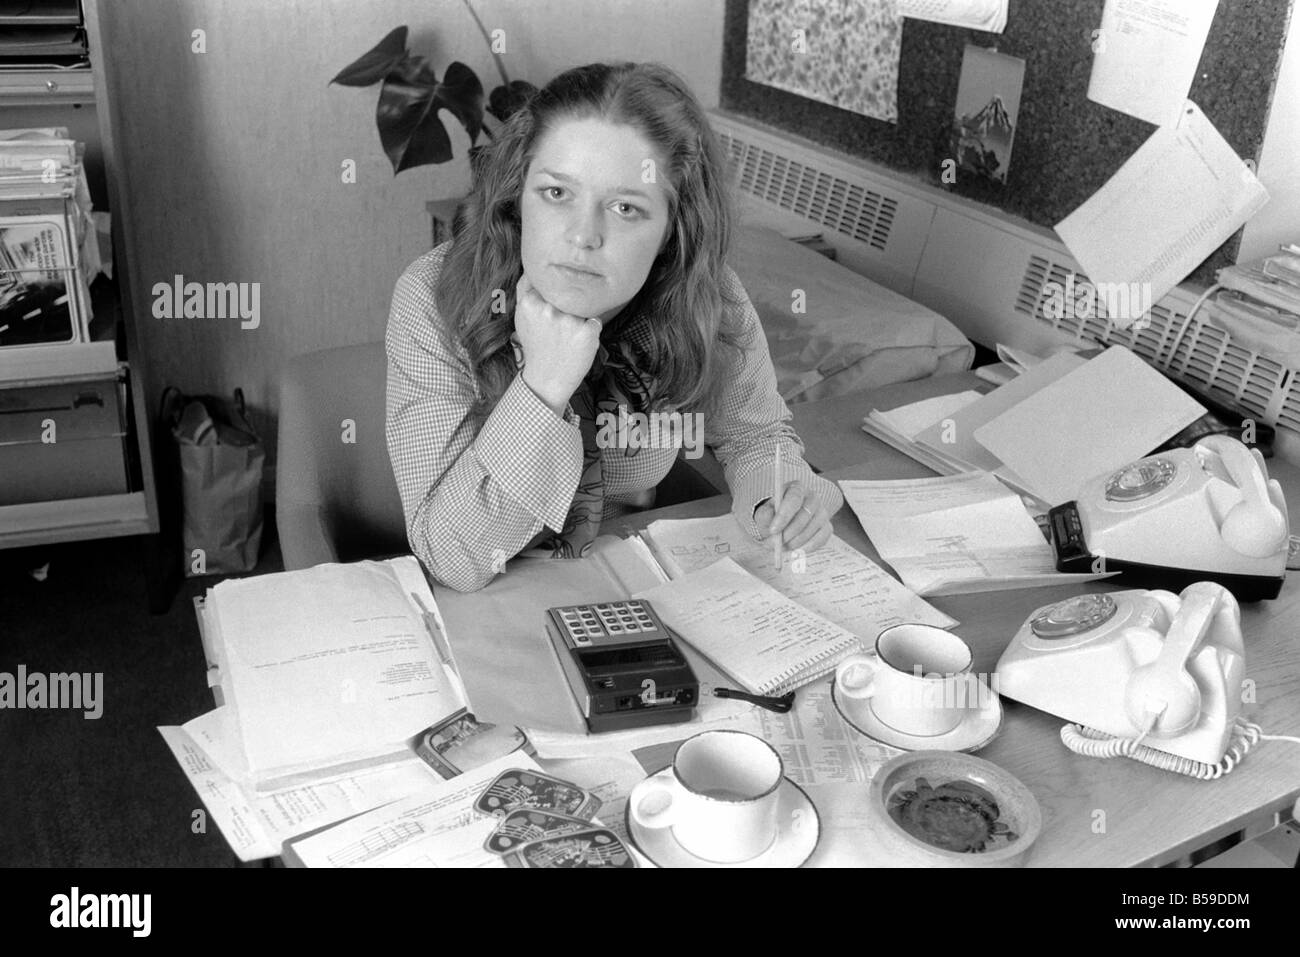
(1096, 813)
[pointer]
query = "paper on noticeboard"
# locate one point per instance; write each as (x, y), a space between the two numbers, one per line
(987, 15)
(1146, 53)
(1175, 201)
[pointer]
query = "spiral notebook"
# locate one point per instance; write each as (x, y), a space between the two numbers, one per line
(762, 640)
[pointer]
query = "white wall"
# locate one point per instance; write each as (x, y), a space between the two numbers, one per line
(1279, 161)
(230, 160)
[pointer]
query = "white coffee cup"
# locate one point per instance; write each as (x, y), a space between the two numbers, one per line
(720, 799)
(912, 679)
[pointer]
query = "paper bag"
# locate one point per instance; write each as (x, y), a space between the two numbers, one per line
(221, 462)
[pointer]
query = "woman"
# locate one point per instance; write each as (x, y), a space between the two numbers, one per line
(587, 274)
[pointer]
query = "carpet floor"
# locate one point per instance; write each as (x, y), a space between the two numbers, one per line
(103, 792)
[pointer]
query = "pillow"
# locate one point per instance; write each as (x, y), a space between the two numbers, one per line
(854, 333)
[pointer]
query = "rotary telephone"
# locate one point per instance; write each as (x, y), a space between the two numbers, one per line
(1145, 674)
(1205, 513)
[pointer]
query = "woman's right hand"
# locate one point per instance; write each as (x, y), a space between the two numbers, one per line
(558, 347)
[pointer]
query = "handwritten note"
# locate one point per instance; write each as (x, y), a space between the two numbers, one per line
(837, 582)
(753, 633)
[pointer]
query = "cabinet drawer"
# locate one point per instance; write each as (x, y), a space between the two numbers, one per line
(87, 456)
(78, 410)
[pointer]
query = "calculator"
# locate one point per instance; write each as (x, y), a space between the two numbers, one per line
(623, 665)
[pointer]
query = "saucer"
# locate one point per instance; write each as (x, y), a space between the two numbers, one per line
(976, 730)
(800, 828)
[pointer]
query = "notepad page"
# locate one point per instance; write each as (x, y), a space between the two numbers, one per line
(759, 638)
(835, 581)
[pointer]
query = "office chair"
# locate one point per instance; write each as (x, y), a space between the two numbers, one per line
(336, 500)
(335, 496)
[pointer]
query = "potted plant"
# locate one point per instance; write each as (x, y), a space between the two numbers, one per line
(410, 129)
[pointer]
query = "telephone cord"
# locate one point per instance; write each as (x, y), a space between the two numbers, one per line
(1098, 744)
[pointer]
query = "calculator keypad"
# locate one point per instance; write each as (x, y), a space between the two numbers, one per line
(618, 619)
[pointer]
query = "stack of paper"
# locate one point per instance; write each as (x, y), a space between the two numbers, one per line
(1053, 427)
(329, 675)
(330, 667)
(953, 535)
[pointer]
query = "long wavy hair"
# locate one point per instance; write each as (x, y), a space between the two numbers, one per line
(684, 295)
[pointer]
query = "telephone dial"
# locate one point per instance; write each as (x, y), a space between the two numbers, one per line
(1205, 513)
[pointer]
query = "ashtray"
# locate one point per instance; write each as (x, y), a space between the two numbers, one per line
(945, 809)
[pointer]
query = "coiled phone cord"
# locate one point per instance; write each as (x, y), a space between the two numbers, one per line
(1098, 744)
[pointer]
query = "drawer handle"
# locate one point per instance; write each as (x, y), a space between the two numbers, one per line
(88, 398)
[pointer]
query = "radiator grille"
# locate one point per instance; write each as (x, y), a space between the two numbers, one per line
(1201, 355)
(847, 208)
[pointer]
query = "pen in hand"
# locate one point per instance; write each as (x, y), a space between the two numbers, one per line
(776, 507)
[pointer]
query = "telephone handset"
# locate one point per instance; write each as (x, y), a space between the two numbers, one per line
(1146, 674)
(1257, 524)
(1206, 513)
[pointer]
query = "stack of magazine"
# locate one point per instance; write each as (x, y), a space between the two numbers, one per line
(48, 248)
(1260, 304)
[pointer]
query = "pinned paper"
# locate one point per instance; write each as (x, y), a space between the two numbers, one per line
(987, 15)
(1146, 53)
(841, 52)
(1175, 201)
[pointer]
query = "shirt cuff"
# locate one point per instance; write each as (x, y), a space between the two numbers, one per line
(755, 488)
(534, 456)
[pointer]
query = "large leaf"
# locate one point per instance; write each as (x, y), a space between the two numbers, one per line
(376, 63)
(505, 101)
(407, 116)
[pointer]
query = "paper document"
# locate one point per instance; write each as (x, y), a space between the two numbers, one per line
(256, 825)
(1110, 411)
(749, 630)
(956, 438)
(955, 534)
(911, 419)
(330, 665)
(987, 15)
(1172, 203)
(610, 778)
(837, 581)
(816, 745)
(1146, 53)
(437, 827)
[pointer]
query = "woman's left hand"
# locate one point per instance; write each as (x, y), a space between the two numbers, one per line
(802, 520)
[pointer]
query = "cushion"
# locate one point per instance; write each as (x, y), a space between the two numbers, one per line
(854, 334)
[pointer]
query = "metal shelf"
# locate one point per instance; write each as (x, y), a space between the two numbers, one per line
(74, 519)
(106, 516)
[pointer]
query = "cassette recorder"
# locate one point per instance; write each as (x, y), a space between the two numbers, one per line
(623, 665)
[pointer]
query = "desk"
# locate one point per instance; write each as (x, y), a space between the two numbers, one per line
(1096, 813)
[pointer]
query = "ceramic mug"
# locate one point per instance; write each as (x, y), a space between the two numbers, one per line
(720, 799)
(912, 680)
